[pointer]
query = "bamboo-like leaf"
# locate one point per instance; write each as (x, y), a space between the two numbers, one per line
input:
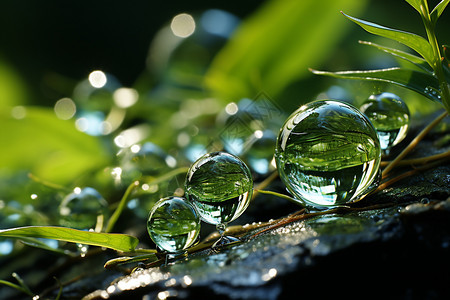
(274, 46)
(126, 260)
(34, 242)
(120, 242)
(414, 59)
(438, 10)
(415, 42)
(416, 4)
(420, 82)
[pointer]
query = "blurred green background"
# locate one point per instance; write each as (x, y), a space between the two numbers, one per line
(173, 86)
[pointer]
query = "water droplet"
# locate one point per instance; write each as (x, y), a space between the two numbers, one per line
(173, 224)
(82, 209)
(327, 153)
(148, 159)
(220, 186)
(390, 117)
(96, 113)
(260, 154)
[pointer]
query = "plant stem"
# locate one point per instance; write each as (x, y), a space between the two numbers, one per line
(125, 198)
(437, 64)
(263, 184)
(17, 287)
(407, 174)
(279, 195)
(115, 216)
(413, 144)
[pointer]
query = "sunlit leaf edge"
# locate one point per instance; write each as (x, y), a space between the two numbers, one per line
(415, 42)
(115, 241)
(419, 82)
(438, 10)
(416, 4)
(414, 59)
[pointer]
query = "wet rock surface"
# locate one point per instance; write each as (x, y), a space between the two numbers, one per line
(394, 244)
(395, 252)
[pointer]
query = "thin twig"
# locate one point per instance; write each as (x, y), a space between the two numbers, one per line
(421, 160)
(413, 144)
(408, 174)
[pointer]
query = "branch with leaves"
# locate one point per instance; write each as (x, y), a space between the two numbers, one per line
(432, 80)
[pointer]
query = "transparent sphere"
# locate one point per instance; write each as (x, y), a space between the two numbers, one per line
(390, 117)
(147, 159)
(220, 187)
(260, 154)
(82, 208)
(327, 153)
(173, 224)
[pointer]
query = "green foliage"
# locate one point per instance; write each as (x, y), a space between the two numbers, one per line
(432, 80)
(415, 42)
(438, 10)
(50, 148)
(12, 90)
(275, 46)
(419, 82)
(120, 242)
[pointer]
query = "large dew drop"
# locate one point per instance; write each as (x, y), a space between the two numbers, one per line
(173, 224)
(327, 154)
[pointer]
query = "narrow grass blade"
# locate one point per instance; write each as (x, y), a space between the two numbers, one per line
(419, 82)
(414, 59)
(120, 242)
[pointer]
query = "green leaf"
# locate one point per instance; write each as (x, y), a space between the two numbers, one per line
(438, 10)
(276, 45)
(419, 82)
(126, 260)
(416, 4)
(34, 242)
(17, 287)
(120, 242)
(35, 140)
(415, 42)
(414, 59)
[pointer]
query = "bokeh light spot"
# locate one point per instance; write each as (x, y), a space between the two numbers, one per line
(183, 25)
(65, 108)
(97, 79)
(125, 97)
